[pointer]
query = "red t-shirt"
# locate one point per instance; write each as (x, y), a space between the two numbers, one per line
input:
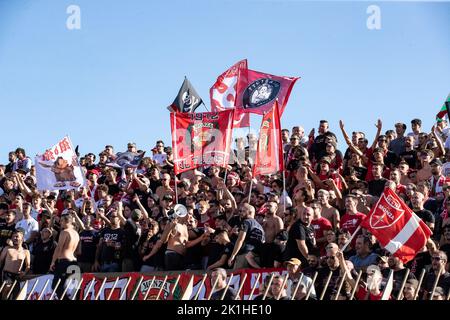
(351, 222)
(333, 176)
(362, 293)
(320, 226)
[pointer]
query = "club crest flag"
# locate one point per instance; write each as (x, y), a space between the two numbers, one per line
(223, 93)
(58, 168)
(187, 99)
(269, 154)
(200, 139)
(261, 90)
(398, 229)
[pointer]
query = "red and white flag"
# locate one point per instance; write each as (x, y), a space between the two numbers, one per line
(200, 139)
(260, 90)
(223, 93)
(398, 229)
(269, 154)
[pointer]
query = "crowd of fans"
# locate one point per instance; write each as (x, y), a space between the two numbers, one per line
(125, 218)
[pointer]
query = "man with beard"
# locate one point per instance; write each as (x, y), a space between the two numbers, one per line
(332, 266)
(399, 270)
(14, 263)
(427, 216)
(251, 235)
(438, 262)
(318, 148)
(301, 238)
(410, 154)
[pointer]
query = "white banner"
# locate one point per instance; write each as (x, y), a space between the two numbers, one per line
(42, 287)
(58, 168)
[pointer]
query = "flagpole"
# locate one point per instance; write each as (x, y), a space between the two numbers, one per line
(205, 106)
(284, 192)
(351, 238)
(250, 191)
(176, 190)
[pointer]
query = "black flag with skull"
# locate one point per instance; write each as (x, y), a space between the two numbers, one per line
(187, 99)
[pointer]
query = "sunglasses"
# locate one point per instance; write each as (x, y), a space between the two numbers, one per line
(437, 258)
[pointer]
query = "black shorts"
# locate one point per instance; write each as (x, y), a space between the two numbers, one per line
(61, 273)
(174, 261)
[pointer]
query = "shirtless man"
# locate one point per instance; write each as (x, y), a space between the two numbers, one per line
(329, 212)
(165, 188)
(272, 224)
(14, 259)
(425, 173)
(64, 255)
(176, 235)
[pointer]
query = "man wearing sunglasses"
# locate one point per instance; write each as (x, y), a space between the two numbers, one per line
(438, 262)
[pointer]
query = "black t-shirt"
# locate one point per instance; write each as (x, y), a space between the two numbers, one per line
(194, 255)
(399, 275)
(5, 231)
(131, 240)
(254, 235)
(230, 295)
(147, 246)
(234, 221)
(410, 157)
(425, 215)
(390, 158)
(420, 261)
(322, 277)
(268, 253)
(43, 254)
(318, 148)
(299, 231)
(360, 172)
(444, 282)
(88, 241)
(216, 251)
(432, 205)
(376, 187)
(154, 184)
(446, 249)
(111, 253)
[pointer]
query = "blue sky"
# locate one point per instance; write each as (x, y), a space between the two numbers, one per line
(110, 81)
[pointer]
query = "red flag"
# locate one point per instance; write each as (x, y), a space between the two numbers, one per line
(260, 91)
(201, 139)
(223, 93)
(398, 229)
(269, 154)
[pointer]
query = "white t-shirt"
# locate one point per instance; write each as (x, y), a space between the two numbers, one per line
(416, 138)
(160, 158)
(29, 225)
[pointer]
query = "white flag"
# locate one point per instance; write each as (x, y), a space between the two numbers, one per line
(58, 168)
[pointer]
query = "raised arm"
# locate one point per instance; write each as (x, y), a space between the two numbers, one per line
(379, 126)
(438, 140)
(141, 207)
(349, 141)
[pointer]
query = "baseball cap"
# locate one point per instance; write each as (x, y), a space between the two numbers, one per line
(282, 236)
(436, 162)
(294, 261)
